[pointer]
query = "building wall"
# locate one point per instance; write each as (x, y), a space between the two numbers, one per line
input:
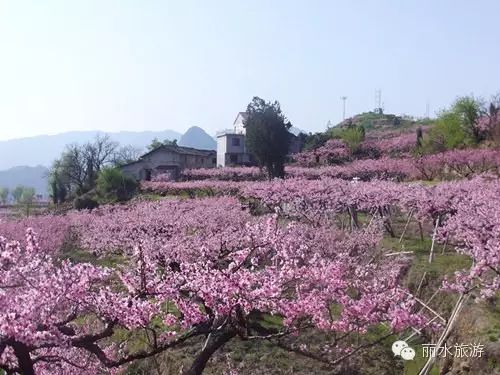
(134, 170)
(235, 149)
(238, 124)
(226, 147)
(221, 150)
(166, 160)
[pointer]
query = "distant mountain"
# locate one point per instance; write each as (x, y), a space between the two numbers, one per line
(36, 154)
(43, 149)
(35, 177)
(197, 137)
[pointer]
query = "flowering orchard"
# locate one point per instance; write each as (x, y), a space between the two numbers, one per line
(193, 268)
(250, 261)
(445, 165)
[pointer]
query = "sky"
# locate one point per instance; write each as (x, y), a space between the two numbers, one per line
(154, 65)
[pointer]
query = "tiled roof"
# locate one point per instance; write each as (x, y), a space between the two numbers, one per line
(181, 150)
(178, 149)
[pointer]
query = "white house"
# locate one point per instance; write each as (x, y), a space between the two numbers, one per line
(231, 148)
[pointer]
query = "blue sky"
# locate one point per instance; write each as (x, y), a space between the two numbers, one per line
(152, 65)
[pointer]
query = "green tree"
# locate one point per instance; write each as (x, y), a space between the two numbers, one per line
(155, 143)
(4, 194)
(114, 186)
(352, 136)
(17, 193)
(58, 185)
(447, 133)
(469, 109)
(24, 196)
(312, 141)
(75, 172)
(27, 196)
(267, 135)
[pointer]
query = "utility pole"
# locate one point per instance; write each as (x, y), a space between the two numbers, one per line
(378, 101)
(343, 98)
(427, 110)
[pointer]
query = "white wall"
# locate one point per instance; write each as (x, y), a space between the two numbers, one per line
(221, 150)
(238, 124)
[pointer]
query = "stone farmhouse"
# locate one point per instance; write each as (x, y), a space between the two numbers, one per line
(169, 159)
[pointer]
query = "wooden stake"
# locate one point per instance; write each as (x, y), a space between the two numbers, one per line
(444, 336)
(406, 225)
(421, 282)
(431, 255)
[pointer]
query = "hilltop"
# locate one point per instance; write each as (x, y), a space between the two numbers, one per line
(372, 121)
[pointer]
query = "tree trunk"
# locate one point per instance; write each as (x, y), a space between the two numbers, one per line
(215, 341)
(23, 358)
(353, 213)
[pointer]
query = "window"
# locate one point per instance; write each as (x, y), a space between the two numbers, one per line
(236, 141)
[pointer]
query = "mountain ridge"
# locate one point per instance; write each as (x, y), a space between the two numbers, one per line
(196, 137)
(44, 149)
(36, 177)
(26, 161)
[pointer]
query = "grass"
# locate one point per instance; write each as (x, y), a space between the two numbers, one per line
(78, 255)
(414, 366)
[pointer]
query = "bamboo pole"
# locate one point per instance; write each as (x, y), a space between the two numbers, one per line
(406, 225)
(421, 282)
(446, 332)
(431, 254)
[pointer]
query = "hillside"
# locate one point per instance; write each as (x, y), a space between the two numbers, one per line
(43, 149)
(196, 137)
(35, 177)
(374, 121)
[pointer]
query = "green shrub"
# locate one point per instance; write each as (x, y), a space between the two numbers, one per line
(85, 202)
(114, 186)
(446, 134)
(352, 137)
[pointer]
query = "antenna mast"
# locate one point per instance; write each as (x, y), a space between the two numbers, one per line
(343, 98)
(378, 101)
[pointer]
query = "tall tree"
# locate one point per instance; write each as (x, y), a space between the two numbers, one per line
(77, 169)
(126, 154)
(267, 135)
(4, 194)
(17, 193)
(469, 109)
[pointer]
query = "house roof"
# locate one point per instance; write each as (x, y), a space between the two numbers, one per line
(177, 149)
(180, 150)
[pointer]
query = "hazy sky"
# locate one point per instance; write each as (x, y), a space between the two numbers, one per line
(151, 65)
